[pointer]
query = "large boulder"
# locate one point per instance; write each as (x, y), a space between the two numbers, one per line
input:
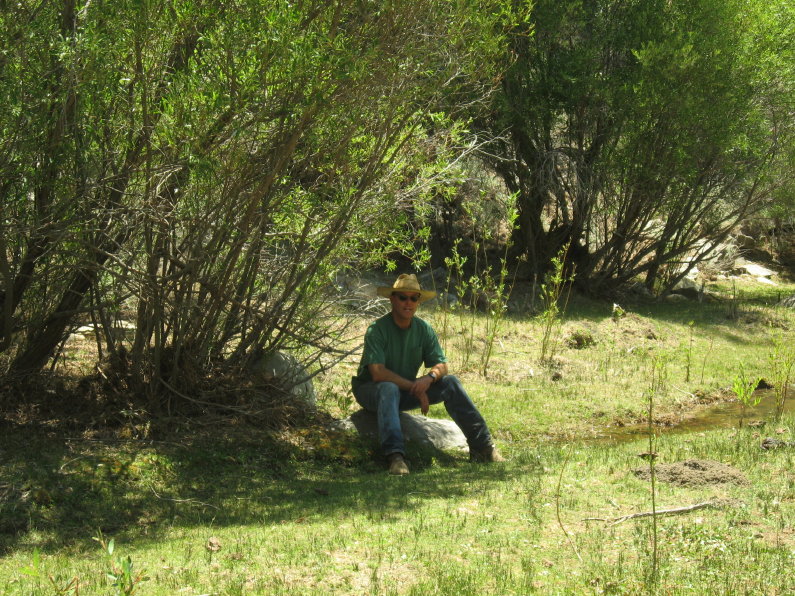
(688, 288)
(287, 373)
(754, 270)
(426, 432)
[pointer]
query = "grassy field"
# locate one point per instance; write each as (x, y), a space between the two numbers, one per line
(231, 509)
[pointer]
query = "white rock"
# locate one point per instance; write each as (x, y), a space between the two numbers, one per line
(755, 270)
(288, 371)
(428, 432)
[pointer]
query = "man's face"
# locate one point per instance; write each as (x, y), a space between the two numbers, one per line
(404, 304)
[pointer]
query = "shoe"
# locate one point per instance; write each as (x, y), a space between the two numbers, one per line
(397, 465)
(487, 454)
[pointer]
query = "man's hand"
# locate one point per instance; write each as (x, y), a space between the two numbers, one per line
(419, 390)
(423, 403)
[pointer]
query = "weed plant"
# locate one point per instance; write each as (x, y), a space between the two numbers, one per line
(744, 387)
(552, 293)
(689, 351)
(781, 360)
(657, 384)
(483, 303)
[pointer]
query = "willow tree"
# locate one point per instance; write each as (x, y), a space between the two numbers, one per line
(634, 131)
(206, 167)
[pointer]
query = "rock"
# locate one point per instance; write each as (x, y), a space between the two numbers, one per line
(745, 241)
(443, 299)
(764, 384)
(653, 228)
(770, 443)
(754, 270)
(686, 287)
(435, 279)
(640, 290)
(788, 302)
(427, 432)
(120, 330)
(724, 255)
(288, 373)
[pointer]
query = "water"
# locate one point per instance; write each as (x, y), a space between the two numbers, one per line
(724, 415)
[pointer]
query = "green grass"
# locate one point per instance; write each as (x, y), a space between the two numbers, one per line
(237, 510)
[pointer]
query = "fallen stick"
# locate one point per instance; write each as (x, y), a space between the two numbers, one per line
(675, 511)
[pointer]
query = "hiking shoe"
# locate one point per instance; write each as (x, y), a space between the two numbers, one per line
(397, 465)
(487, 454)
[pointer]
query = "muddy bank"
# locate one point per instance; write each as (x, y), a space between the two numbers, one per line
(719, 410)
(694, 473)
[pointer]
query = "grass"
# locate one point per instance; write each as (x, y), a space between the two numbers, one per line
(236, 510)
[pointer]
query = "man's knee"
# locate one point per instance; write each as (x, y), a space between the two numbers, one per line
(450, 380)
(452, 391)
(451, 384)
(387, 391)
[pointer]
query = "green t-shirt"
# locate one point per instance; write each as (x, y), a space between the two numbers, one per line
(400, 350)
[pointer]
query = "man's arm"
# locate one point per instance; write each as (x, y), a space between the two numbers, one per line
(417, 387)
(381, 373)
(440, 370)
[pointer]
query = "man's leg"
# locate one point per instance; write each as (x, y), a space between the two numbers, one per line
(463, 412)
(384, 400)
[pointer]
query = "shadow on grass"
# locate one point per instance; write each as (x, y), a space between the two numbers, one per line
(60, 492)
(724, 319)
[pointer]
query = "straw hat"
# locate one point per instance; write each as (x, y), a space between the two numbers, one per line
(406, 282)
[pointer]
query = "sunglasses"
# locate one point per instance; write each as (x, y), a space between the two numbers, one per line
(403, 297)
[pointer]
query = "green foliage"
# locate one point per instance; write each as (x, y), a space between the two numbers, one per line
(556, 282)
(206, 169)
(607, 128)
(121, 573)
(483, 287)
(781, 360)
(744, 388)
(35, 571)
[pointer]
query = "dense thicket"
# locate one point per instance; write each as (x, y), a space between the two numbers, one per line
(207, 166)
(640, 132)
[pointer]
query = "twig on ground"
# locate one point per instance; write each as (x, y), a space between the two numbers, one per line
(190, 501)
(687, 393)
(675, 511)
(557, 505)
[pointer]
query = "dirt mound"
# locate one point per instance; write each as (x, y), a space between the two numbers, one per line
(694, 472)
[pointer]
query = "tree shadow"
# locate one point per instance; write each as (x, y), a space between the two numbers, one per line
(70, 490)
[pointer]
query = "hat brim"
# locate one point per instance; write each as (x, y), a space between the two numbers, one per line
(386, 292)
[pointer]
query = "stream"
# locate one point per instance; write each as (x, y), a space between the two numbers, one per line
(723, 415)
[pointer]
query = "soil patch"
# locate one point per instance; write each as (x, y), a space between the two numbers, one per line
(695, 472)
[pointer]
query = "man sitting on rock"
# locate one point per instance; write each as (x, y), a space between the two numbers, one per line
(395, 346)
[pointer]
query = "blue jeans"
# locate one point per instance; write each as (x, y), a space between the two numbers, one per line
(387, 401)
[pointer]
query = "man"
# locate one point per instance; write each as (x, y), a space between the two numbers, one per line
(395, 346)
